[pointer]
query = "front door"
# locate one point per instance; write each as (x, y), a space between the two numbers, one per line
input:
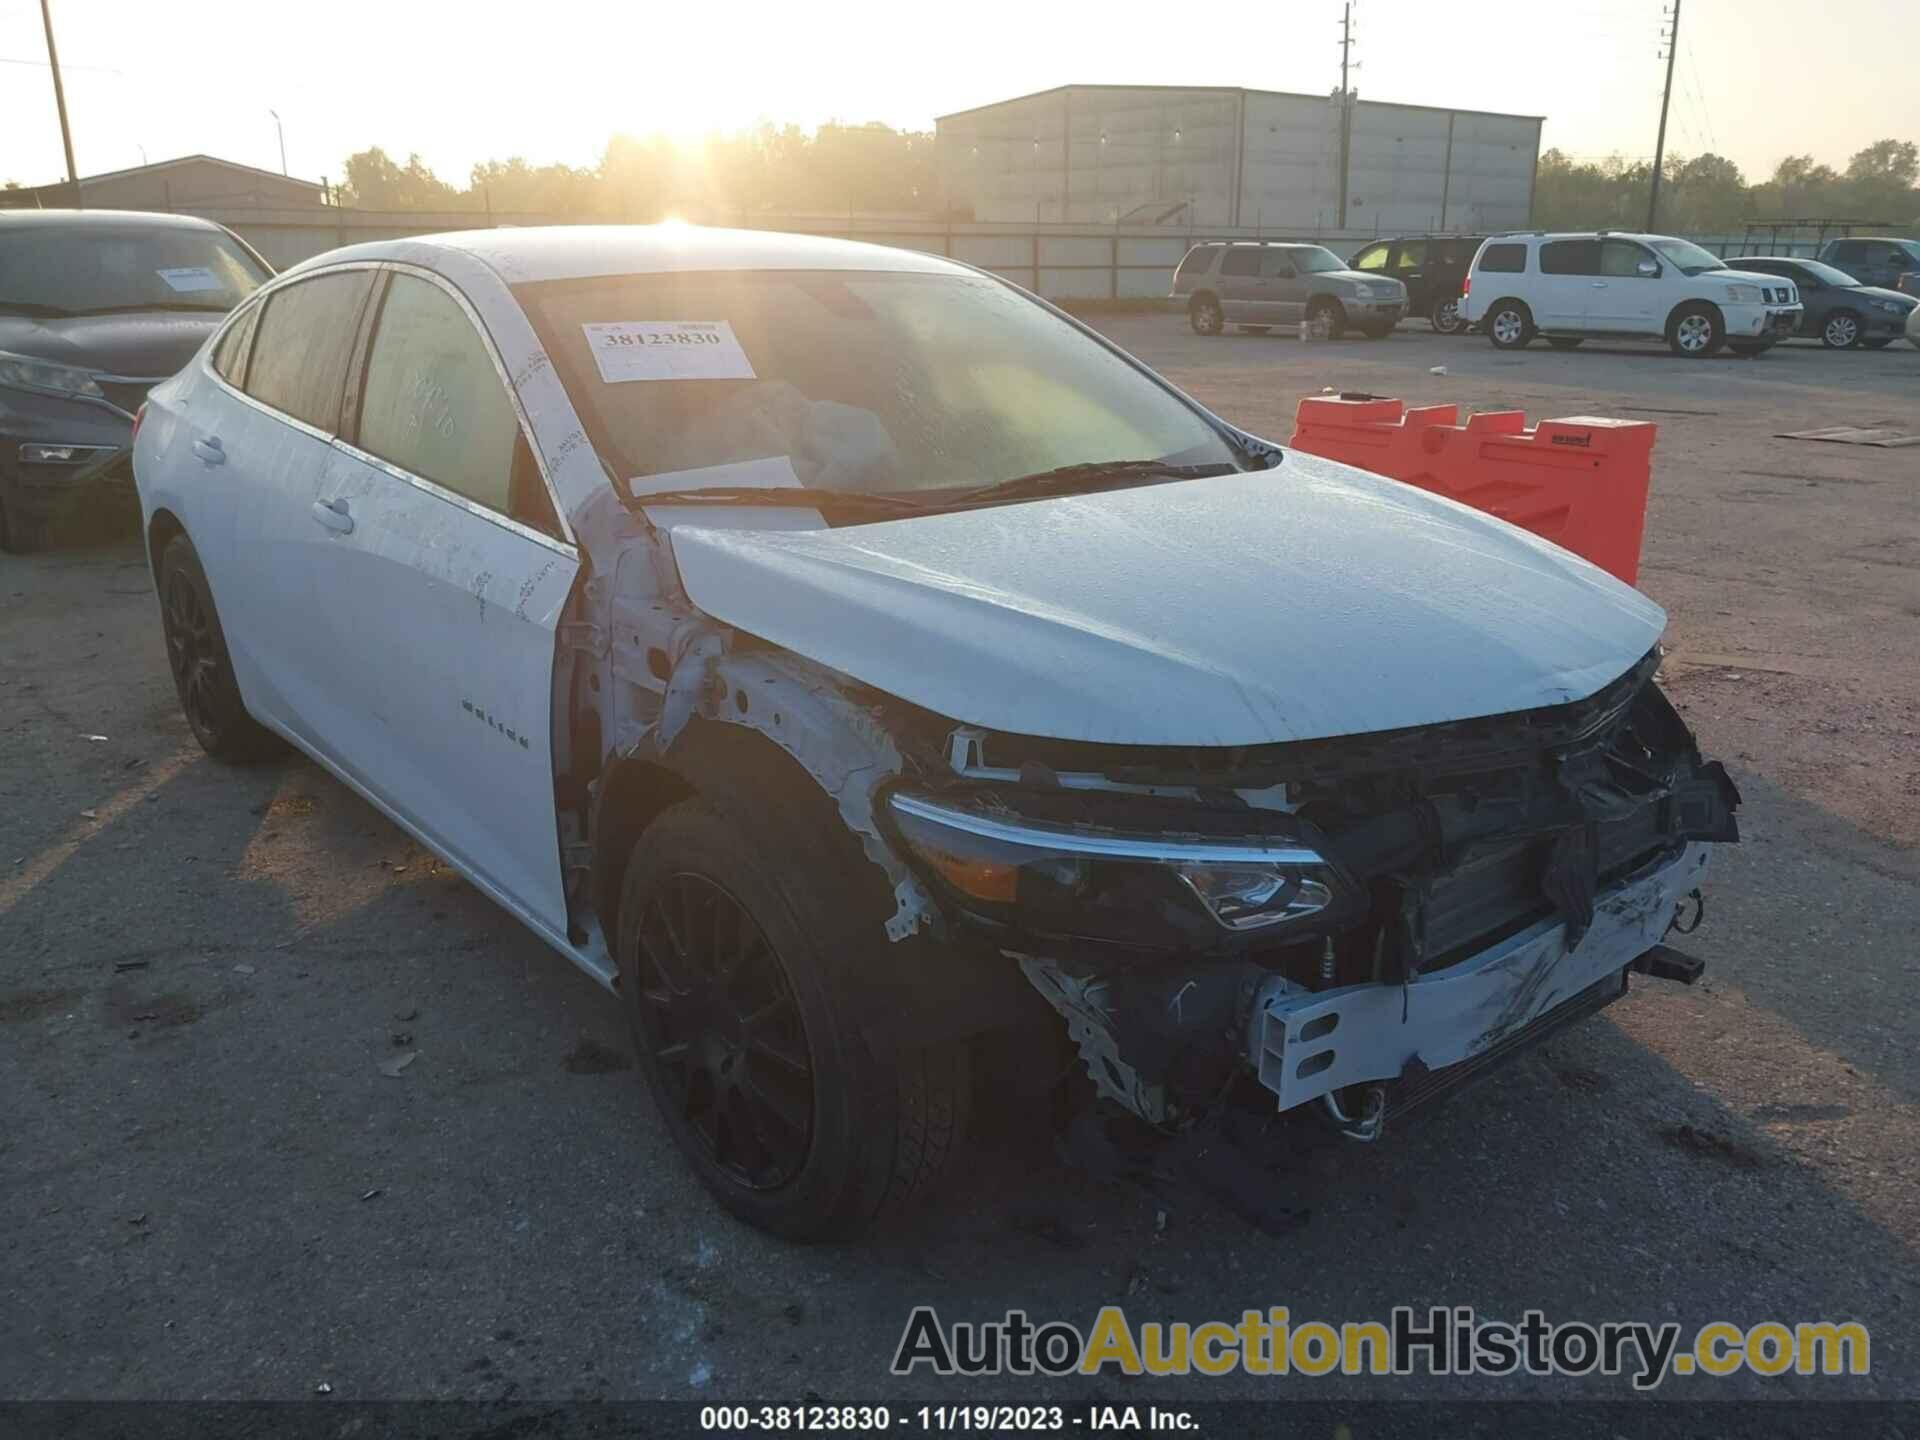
(1410, 269)
(1284, 288)
(442, 594)
(1626, 299)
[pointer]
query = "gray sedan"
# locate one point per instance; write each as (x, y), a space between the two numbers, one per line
(1839, 311)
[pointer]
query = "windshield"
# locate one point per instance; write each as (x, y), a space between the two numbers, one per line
(89, 270)
(1688, 257)
(879, 382)
(1818, 269)
(1313, 259)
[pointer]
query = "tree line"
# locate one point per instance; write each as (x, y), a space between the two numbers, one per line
(776, 170)
(1707, 194)
(876, 170)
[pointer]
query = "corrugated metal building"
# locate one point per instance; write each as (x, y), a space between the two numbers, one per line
(1224, 157)
(191, 181)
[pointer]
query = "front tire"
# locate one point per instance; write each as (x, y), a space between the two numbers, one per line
(202, 669)
(1509, 325)
(1696, 332)
(1445, 316)
(1842, 331)
(1205, 315)
(1328, 316)
(740, 969)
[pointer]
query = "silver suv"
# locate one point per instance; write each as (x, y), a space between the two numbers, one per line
(1257, 285)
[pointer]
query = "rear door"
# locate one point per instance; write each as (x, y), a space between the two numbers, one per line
(268, 444)
(1409, 267)
(1240, 285)
(1562, 293)
(441, 590)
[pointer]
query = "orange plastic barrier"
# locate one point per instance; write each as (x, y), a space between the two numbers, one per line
(1579, 482)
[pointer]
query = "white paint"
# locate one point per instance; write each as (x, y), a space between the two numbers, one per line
(628, 350)
(1313, 600)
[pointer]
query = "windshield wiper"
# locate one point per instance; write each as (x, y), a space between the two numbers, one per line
(150, 305)
(29, 307)
(1084, 478)
(795, 496)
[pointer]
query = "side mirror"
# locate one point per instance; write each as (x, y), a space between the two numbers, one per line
(1648, 269)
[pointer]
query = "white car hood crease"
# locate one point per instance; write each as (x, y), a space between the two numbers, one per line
(1307, 601)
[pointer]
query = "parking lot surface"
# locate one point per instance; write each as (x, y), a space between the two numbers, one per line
(215, 1189)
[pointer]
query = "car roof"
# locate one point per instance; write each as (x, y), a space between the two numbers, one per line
(576, 252)
(37, 219)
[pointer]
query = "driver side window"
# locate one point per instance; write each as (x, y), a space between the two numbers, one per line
(1623, 257)
(1374, 257)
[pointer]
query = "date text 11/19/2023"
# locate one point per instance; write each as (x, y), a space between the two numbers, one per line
(977, 1419)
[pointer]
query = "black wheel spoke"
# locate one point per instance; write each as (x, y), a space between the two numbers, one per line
(724, 1030)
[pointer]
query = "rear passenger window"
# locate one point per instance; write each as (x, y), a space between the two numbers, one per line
(433, 404)
(1374, 257)
(1412, 255)
(1241, 260)
(300, 346)
(1570, 257)
(230, 355)
(1504, 259)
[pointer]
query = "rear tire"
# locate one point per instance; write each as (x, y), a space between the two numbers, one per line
(1445, 316)
(753, 1050)
(1205, 315)
(1509, 325)
(202, 669)
(1328, 315)
(1695, 332)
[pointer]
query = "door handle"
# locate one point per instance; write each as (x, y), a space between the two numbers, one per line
(1599, 284)
(209, 450)
(333, 514)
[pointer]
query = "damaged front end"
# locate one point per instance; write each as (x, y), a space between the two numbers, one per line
(1358, 923)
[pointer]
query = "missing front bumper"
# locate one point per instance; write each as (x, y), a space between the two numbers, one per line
(1306, 1044)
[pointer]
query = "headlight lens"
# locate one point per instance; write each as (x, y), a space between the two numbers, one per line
(1893, 306)
(1743, 294)
(23, 372)
(1132, 888)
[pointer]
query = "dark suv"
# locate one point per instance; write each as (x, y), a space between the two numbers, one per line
(96, 307)
(1890, 263)
(1432, 268)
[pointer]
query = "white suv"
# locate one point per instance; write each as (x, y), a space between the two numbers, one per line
(1568, 287)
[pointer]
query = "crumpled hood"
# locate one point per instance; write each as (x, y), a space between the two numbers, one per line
(147, 344)
(1307, 601)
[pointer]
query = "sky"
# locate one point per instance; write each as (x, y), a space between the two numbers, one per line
(464, 82)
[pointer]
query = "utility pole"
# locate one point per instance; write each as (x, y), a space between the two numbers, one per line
(1346, 105)
(60, 102)
(1666, 98)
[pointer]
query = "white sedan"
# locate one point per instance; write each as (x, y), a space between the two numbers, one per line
(847, 657)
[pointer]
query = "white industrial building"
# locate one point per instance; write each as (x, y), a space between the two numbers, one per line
(1216, 157)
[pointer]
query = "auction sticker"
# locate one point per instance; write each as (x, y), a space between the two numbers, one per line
(667, 350)
(186, 279)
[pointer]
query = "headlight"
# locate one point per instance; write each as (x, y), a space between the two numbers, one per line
(1893, 307)
(1162, 889)
(1742, 295)
(25, 373)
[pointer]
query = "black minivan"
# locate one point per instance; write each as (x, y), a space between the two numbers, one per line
(1432, 267)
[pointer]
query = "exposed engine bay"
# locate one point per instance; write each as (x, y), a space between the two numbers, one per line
(1444, 893)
